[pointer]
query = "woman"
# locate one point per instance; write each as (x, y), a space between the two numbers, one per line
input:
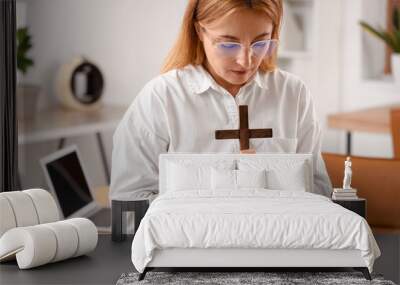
(224, 57)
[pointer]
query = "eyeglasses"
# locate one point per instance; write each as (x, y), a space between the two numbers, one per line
(259, 49)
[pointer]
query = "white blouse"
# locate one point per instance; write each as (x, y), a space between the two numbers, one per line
(180, 110)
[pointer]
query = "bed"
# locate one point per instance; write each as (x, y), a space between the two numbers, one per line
(245, 211)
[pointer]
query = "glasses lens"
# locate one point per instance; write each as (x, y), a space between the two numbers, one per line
(228, 49)
(259, 49)
(264, 48)
(272, 45)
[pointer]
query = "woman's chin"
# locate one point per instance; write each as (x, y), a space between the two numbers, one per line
(238, 79)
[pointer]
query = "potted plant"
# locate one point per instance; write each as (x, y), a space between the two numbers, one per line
(392, 39)
(27, 94)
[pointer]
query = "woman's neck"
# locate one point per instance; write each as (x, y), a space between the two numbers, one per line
(231, 88)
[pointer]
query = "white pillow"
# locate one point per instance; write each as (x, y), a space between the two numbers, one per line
(237, 179)
(223, 179)
(293, 179)
(183, 177)
(251, 178)
(282, 174)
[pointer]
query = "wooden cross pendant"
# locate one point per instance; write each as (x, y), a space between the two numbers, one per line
(244, 134)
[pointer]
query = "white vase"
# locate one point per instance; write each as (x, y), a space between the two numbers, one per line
(396, 67)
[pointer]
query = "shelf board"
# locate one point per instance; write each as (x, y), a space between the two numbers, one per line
(385, 80)
(386, 84)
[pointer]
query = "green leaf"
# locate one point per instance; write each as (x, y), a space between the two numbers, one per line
(391, 40)
(22, 65)
(21, 33)
(23, 46)
(383, 35)
(396, 35)
(396, 18)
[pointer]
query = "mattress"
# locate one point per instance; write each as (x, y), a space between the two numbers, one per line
(250, 219)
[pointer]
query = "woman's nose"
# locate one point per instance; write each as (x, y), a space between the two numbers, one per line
(244, 57)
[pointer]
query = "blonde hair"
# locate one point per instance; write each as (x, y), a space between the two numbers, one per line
(188, 48)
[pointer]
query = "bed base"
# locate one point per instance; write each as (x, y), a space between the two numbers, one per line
(363, 270)
(251, 259)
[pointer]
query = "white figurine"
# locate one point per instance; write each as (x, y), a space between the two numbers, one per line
(347, 174)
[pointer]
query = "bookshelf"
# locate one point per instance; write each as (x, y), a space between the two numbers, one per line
(297, 31)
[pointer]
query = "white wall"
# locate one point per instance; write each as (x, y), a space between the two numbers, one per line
(127, 39)
(327, 67)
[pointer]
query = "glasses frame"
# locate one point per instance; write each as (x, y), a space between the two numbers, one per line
(216, 44)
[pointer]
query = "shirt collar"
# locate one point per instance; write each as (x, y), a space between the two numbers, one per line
(200, 80)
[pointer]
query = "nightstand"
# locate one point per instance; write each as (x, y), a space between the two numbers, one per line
(117, 216)
(358, 205)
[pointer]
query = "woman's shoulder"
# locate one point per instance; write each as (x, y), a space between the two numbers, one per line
(168, 80)
(162, 88)
(286, 85)
(159, 83)
(281, 78)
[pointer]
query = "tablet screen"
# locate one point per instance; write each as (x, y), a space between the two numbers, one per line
(69, 183)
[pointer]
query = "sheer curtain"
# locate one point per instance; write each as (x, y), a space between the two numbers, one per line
(8, 122)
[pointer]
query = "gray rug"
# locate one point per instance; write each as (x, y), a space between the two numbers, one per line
(243, 278)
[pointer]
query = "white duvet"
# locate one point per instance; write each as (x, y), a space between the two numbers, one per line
(252, 218)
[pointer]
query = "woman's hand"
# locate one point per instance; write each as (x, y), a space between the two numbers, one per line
(248, 151)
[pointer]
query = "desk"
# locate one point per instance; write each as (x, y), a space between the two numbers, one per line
(371, 120)
(104, 265)
(59, 123)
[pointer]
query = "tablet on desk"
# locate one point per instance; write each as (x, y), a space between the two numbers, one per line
(67, 181)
